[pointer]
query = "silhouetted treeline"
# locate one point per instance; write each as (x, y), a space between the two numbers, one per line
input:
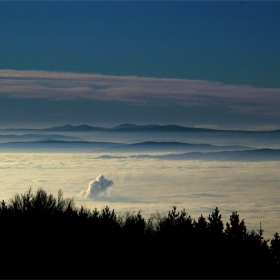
(43, 236)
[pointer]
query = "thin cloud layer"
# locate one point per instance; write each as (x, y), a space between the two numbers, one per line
(262, 103)
(64, 86)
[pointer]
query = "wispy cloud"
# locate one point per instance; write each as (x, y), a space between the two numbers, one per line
(60, 86)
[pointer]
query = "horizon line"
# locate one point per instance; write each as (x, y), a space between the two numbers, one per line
(138, 125)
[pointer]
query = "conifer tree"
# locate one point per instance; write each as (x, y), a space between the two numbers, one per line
(275, 248)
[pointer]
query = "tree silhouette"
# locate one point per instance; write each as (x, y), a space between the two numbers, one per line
(275, 247)
(235, 230)
(216, 225)
(49, 237)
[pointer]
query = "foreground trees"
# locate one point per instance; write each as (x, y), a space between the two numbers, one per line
(43, 236)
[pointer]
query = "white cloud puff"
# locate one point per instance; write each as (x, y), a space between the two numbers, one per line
(98, 187)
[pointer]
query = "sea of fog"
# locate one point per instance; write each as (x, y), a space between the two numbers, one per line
(151, 184)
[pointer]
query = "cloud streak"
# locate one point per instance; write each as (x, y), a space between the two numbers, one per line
(139, 91)
(59, 86)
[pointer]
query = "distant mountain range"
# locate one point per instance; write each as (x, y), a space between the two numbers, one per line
(148, 146)
(134, 128)
(148, 149)
(36, 136)
(246, 155)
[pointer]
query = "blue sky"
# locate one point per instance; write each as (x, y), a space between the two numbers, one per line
(218, 43)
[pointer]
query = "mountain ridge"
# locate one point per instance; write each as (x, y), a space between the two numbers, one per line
(138, 128)
(245, 155)
(151, 146)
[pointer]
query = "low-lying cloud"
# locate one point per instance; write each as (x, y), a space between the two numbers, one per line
(98, 187)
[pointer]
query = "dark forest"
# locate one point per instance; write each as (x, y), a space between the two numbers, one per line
(47, 236)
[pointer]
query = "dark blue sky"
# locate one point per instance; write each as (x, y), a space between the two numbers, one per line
(230, 42)
(227, 42)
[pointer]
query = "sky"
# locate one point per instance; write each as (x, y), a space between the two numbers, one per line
(194, 63)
